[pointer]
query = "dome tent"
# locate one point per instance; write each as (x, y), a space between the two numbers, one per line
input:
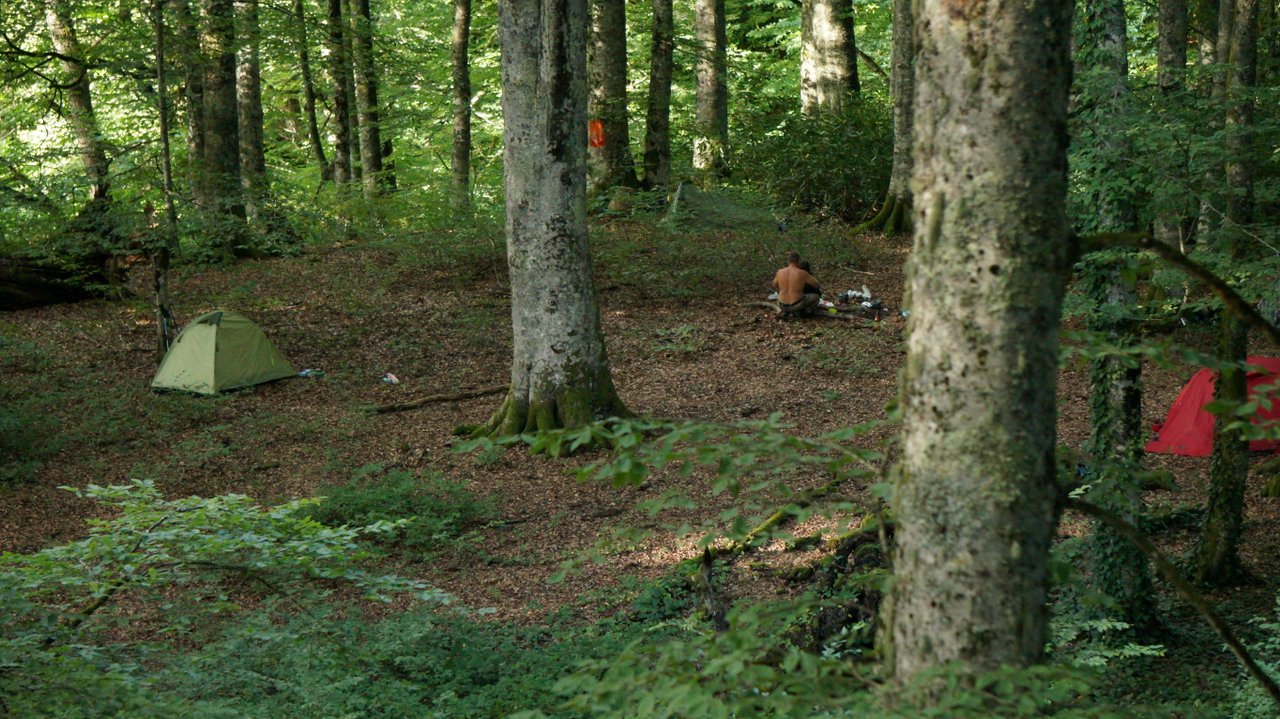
(1188, 430)
(220, 351)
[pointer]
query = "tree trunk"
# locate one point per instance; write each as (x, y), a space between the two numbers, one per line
(353, 115)
(161, 255)
(461, 107)
(828, 56)
(559, 371)
(253, 163)
(221, 124)
(1172, 203)
(78, 105)
(1217, 558)
(975, 496)
(309, 93)
(366, 81)
(657, 132)
(895, 214)
(342, 171)
(193, 91)
(711, 121)
(611, 164)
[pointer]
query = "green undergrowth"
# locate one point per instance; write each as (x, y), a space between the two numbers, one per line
(436, 514)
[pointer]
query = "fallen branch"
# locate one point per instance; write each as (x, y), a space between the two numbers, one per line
(437, 398)
(1188, 592)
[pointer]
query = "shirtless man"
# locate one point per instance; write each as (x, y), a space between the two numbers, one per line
(791, 283)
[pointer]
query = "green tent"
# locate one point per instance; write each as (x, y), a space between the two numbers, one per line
(219, 351)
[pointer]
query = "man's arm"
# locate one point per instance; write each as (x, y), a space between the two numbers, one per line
(774, 284)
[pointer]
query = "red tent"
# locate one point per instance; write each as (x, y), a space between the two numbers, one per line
(1188, 430)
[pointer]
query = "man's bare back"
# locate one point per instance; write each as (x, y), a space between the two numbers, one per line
(790, 282)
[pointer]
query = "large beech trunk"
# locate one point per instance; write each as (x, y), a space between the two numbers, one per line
(975, 497)
(657, 129)
(253, 163)
(559, 371)
(1217, 559)
(78, 105)
(461, 165)
(223, 194)
(611, 164)
(366, 85)
(339, 72)
(1172, 204)
(828, 55)
(711, 121)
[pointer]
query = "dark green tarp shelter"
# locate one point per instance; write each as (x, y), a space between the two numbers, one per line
(219, 351)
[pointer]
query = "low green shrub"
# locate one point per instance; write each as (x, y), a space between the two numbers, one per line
(434, 513)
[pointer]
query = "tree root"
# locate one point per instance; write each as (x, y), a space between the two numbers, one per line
(436, 398)
(894, 217)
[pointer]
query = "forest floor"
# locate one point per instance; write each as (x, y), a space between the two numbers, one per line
(681, 344)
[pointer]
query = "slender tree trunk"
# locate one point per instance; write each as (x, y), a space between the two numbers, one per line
(353, 115)
(895, 214)
(461, 107)
(78, 105)
(193, 91)
(657, 134)
(559, 372)
(253, 162)
(342, 171)
(611, 164)
(828, 55)
(975, 497)
(1172, 204)
(309, 92)
(711, 122)
(222, 124)
(162, 254)
(366, 81)
(1217, 558)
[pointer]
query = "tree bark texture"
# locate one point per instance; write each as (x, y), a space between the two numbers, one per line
(657, 128)
(1217, 558)
(895, 214)
(221, 116)
(1172, 204)
(559, 371)
(193, 92)
(611, 165)
(253, 161)
(366, 83)
(163, 253)
(711, 114)
(828, 56)
(339, 72)
(78, 105)
(975, 495)
(461, 59)
(309, 92)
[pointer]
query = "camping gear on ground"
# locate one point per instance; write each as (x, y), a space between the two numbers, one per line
(220, 351)
(1188, 430)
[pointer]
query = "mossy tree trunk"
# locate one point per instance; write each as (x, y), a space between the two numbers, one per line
(1217, 558)
(611, 165)
(78, 104)
(340, 82)
(975, 493)
(828, 56)
(711, 98)
(894, 215)
(368, 113)
(253, 162)
(657, 129)
(1119, 569)
(224, 199)
(460, 57)
(192, 60)
(1173, 205)
(559, 371)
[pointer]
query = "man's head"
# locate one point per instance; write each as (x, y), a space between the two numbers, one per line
(793, 258)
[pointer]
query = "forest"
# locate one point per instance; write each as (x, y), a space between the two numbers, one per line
(384, 358)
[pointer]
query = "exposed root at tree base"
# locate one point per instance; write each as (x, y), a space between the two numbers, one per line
(565, 409)
(894, 217)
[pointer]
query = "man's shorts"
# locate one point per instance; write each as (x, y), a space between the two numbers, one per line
(804, 307)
